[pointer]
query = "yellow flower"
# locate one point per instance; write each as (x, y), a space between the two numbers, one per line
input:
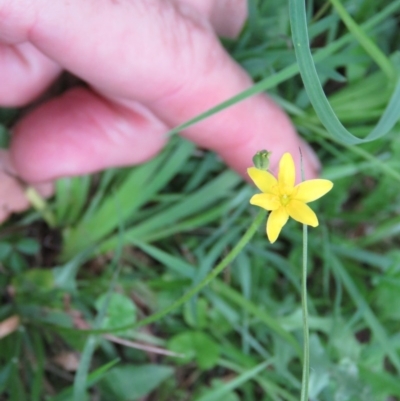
(283, 198)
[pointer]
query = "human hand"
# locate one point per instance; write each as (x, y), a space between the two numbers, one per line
(150, 65)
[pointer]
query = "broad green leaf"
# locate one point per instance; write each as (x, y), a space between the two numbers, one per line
(132, 382)
(121, 310)
(197, 346)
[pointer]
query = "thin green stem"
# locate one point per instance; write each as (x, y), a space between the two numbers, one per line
(306, 337)
(304, 308)
(214, 273)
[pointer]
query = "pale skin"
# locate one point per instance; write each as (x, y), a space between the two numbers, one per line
(150, 65)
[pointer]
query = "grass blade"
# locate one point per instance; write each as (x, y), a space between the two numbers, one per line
(316, 94)
(235, 383)
(366, 311)
(292, 70)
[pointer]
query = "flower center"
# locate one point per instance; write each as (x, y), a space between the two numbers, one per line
(285, 199)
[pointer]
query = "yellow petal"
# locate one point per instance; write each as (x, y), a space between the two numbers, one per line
(276, 220)
(264, 180)
(301, 212)
(266, 201)
(311, 190)
(287, 172)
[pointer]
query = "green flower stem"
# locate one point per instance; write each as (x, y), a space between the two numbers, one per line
(214, 273)
(306, 337)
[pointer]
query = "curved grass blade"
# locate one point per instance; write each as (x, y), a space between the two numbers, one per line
(288, 72)
(316, 94)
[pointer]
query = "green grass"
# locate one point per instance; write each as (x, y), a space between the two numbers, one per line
(128, 243)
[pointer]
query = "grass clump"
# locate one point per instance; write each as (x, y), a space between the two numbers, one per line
(73, 297)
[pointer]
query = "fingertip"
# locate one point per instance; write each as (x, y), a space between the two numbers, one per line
(80, 133)
(257, 124)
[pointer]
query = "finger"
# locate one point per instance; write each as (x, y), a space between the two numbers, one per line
(25, 73)
(226, 16)
(12, 196)
(256, 124)
(181, 71)
(80, 133)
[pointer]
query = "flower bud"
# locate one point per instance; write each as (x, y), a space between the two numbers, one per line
(261, 160)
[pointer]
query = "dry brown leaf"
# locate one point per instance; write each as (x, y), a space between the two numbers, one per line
(9, 325)
(67, 360)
